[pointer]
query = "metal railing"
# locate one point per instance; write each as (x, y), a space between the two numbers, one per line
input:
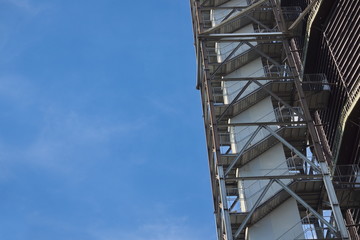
(309, 227)
(240, 135)
(347, 174)
(315, 82)
(232, 88)
(277, 71)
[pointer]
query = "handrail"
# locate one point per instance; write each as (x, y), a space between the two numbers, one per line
(246, 133)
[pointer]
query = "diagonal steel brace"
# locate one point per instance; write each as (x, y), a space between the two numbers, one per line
(258, 22)
(307, 206)
(230, 13)
(242, 150)
(278, 98)
(226, 59)
(287, 144)
(233, 101)
(263, 54)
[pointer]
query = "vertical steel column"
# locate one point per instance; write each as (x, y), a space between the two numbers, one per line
(217, 172)
(225, 208)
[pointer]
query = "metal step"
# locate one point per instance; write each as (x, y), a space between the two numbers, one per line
(215, 3)
(348, 195)
(265, 16)
(273, 50)
(301, 188)
(294, 135)
(284, 90)
(281, 89)
(309, 190)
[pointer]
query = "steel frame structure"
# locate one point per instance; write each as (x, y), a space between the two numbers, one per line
(288, 90)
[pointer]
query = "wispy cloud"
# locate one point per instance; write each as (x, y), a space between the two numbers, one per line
(16, 89)
(61, 137)
(26, 5)
(68, 136)
(156, 222)
(17, 16)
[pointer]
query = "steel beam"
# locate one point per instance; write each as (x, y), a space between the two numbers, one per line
(233, 101)
(230, 13)
(263, 54)
(203, 3)
(261, 124)
(302, 15)
(222, 36)
(226, 59)
(274, 79)
(234, 203)
(242, 150)
(294, 176)
(333, 200)
(225, 209)
(278, 98)
(223, 7)
(288, 145)
(258, 22)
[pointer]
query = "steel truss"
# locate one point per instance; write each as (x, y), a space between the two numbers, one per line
(294, 100)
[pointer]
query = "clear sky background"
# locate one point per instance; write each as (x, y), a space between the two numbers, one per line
(101, 133)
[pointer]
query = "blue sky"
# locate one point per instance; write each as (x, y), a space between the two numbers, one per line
(101, 133)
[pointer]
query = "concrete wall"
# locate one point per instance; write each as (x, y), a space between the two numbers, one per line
(261, 112)
(270, 163)
(217, 16)
(231, 88)
(223, 49)
(277, 223)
